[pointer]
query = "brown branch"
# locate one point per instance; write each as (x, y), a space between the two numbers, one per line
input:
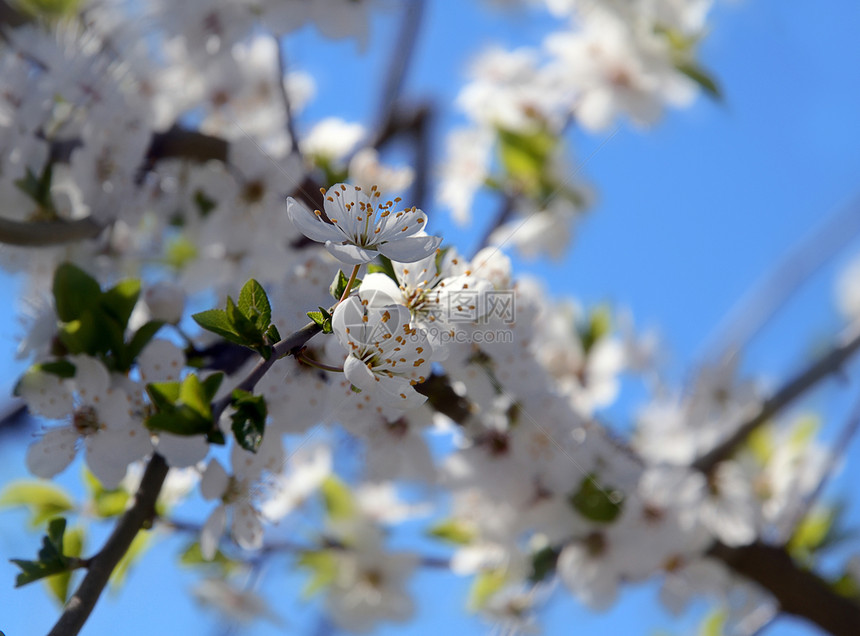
(808, 378)
(46, 233)
(442, 398)
(101, 566)
(798, 592)
(10, 16)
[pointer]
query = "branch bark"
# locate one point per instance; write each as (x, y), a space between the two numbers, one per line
(101, 566)
(798, 592)
(826, 365)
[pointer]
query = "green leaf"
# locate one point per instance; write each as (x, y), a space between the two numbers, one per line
(60, 368)
(249, 420)
(74, 291)
(714, 623)
(179, 251)
(51, 560)
(599, 326)
(273, 335)
(811, 533)
(525, 156)
(141, 338)
(204, 204)
(485, 585)
(453, 531)
(192, 556)
(250, 335)
(702, 77)
(595, 502)
(193, 394)
(73, 546)
(164, 395)
(338, 499)
(543, 563)
(42, 499)
(323, 566)
(211, 385)
(254, 304)
(119, 301)
(138, 546)
(338, 285)
(382, 266)
(217, 321)
(846, 586)
(321, 318)
(106, 503)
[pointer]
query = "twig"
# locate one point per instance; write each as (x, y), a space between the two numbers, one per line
(290, 345)
(285, 97)
(750, 315)
(840, 447)
(399, 62)
(46, 233)
(101, 566)
(793, 389)
(798, 591)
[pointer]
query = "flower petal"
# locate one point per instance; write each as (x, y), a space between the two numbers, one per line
(411, 248)
(348, 253)
(214, 481)
(53, 453)
(357, 372)
(210, 535)
(309, 224)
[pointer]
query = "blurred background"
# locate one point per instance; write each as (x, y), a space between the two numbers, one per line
(692, 217)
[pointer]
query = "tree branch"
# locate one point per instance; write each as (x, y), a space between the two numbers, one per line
(793, 389)
(46, 233)
(101, 566)
(798, 592)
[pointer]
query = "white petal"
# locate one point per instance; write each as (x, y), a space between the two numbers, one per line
(91, 377)
(161, 361)
(214, 481)
(210, 535)
(247, 529)
(182, 451)
(348, 253)
(379, 290)
(410, 249)
(309, 224)
(357, 372)
(46, 395)
(53, 452)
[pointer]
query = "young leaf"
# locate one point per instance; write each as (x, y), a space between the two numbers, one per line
(73, 546)
(217, 321)
(74, 291)
(142, 337)
(43, 499)
(338, 499)
(119, 301)
(254, 304)
(596, 502)
(453, 531)
(323, 566)
(51, 559)
(249, 420)
(701, 77)
(383, 266)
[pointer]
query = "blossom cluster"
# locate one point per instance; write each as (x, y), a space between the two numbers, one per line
(189, 175)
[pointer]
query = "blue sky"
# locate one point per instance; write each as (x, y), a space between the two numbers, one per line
(689, 216)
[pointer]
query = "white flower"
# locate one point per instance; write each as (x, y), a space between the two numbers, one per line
(386, 355)
(358, 226)
(103, 420)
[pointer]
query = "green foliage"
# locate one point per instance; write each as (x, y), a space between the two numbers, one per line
(453, 531)
(714, 623)
(321, 318)
(42, 499)
(382, 266)
(338, 285)
(596, 502)
(138, 547)
(192, 556)
(105, 503)
(38, 188)
(51, 560)
(323, 567)
(94, 322)
(247, 324)
(597, 326)
(49, 9)
(58, 584)
(812, 533)
(249, 420)
(485, 585)
(525, 158)
(702, 77)
(339, 503)
(543, 563)
(184, 408)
